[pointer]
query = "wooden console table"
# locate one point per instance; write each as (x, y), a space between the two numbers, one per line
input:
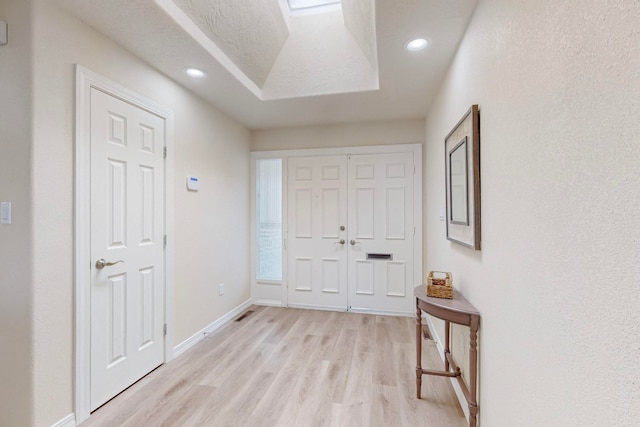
(457, 310)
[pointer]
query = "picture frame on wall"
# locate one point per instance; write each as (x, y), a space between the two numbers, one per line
(462, 178)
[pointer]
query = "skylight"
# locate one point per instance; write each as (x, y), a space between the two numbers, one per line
(303, 7)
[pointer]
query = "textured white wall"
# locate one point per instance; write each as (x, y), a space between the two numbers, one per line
(558, 85)
(342, 135)
(16, 350)
(211, 226)
(251, 33)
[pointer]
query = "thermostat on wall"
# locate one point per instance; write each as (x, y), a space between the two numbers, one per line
(5, 212)
(193, 183)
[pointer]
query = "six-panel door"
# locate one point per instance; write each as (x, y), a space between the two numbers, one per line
(127, 224)
(380, 205)
(317, 219)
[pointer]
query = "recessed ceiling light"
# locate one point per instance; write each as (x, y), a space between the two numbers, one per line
(194, 72)
(417, 44)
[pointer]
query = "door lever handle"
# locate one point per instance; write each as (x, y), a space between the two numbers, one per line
(340, 242)
(102, 263)
(353, 242)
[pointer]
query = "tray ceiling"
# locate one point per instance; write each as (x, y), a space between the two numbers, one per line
(267, 68)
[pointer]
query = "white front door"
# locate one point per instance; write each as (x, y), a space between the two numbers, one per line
(317, 219)
(381, 232)
(351, 232)
(127, 227)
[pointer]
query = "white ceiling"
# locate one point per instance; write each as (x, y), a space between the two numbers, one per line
(161, 33)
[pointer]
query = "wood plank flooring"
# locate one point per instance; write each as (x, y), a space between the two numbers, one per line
(291, 367)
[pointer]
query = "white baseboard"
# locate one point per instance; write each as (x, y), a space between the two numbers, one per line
(68, 421)
(454, 381)
(217, 324)
(381, 312)
(317, 307)
(337, 308)
(268, 303)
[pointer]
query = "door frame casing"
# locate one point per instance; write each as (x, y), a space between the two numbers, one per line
(415, 148)
(87, 80)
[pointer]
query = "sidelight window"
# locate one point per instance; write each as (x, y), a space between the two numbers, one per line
(269, 219)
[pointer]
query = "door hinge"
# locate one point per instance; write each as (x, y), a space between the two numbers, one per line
(164, 240)
(165, 152)
(164, 330)
(414, 169)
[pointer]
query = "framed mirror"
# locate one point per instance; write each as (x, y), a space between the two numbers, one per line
(462, 167)
(457, 188)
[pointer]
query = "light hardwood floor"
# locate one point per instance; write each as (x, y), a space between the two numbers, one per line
(290, 367)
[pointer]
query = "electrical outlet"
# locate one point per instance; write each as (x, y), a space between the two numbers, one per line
(221, 289)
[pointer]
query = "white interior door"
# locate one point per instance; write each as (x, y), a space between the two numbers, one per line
(381, 232)
(127, 225)
(317, 219)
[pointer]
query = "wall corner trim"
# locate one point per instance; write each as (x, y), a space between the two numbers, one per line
(214, 326)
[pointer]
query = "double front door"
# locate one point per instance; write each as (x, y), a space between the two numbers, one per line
(350, 232)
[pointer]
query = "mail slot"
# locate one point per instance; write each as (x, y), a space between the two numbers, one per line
(386, 257)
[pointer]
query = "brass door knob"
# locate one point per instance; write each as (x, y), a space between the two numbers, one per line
(102, 263)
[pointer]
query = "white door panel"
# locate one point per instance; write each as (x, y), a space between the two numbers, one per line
(127, 224)
(317, 209)
(381, 224)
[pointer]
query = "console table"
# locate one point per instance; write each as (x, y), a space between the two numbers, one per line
(457, 310)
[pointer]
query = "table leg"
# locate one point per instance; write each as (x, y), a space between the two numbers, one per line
(418, 350)
(473, 371)
(447, 344)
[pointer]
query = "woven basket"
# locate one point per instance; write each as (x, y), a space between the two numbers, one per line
(439, 287)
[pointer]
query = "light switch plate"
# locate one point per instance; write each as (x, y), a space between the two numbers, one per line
(3, 32)
(5, 212)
